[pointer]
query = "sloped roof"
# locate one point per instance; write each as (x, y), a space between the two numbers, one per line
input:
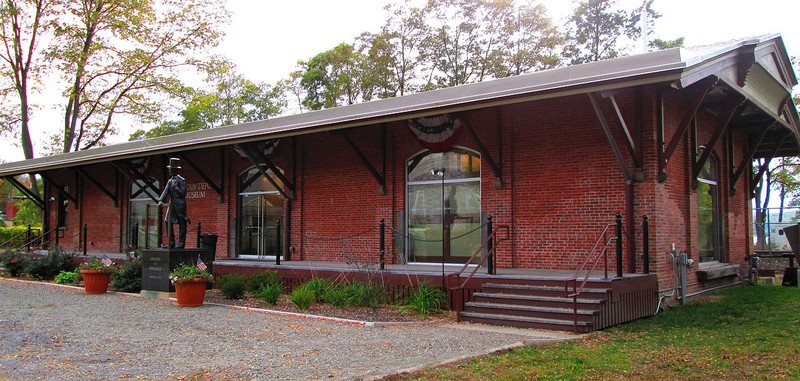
(680, 66)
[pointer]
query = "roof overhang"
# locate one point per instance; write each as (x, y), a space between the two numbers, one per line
(678, 66)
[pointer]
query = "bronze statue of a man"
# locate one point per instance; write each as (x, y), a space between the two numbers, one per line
(176, 213)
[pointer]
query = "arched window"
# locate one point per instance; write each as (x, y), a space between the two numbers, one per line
(260, 209)
(443, 201)
(708, 216)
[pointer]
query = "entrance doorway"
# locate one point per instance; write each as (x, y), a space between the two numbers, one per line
(260, 216)
(443, 206)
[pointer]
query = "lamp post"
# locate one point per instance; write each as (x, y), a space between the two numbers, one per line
(440, 172)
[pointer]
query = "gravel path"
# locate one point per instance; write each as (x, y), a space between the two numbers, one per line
(49, 332)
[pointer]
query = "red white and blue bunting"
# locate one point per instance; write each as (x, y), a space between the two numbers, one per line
(436, 133)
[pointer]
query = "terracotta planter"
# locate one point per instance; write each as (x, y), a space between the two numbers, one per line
(190, 293)
(95, 282)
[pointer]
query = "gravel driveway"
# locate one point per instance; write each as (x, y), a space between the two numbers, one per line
(49, 332)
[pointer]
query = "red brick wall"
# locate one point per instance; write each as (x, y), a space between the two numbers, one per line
(561, 185)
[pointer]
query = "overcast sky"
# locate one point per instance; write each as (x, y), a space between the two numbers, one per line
(266, 38)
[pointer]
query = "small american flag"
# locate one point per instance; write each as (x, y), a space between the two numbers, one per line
(200, 264)
(106, 261)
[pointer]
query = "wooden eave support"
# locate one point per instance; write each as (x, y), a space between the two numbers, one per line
(261, 161)
(216, 187)
(699, 94)
(485, 154)
(28, 193)
(133, 175)
(765, 166)
(99, 186)
(747, 160)
(60, 188)
(379, 176)
(607, 129)
(726, 114)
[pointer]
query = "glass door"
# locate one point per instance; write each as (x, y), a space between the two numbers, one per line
(259, 230)
(443, 206)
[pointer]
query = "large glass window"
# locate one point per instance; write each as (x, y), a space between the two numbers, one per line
(260, 209)
(444, 207)
(708, 217)
(143, 218)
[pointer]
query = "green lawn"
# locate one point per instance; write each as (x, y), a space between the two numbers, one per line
(750, 333)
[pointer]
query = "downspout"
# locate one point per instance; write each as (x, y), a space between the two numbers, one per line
(630, 215)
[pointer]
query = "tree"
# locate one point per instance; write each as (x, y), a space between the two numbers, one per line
(532, 42)
(333, 78)
(116, 55)
(231, 100)
(398, 44)
(465, 40)
(24, 22)
(598, 29)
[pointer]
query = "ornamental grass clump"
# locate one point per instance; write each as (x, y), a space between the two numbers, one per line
(233, 286)
(302, 297)
(425, 300)
(319, 286)
(257, 281)
(270, 293)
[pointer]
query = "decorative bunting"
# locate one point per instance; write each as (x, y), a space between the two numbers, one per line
(436, 133)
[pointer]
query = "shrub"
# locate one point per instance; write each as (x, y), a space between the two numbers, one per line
(129, 277)
(302, 297)
(14, 263)
(67, 277)
(14, 235)
(270, 293)
(319, 286)
(425, 300)
(233, 286)
(258, 281)
(49, 265)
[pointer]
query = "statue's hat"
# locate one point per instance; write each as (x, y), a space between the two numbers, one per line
(173, 163)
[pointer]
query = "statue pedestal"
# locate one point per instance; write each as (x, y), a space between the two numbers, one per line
(158, 263)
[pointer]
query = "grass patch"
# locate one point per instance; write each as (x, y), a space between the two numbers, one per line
(740, 334)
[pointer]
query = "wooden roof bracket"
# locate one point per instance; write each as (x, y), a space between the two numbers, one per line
(726, 115)
(378, 176)
(61, 189)
(604, 123)
(260, 161)
(701, 89)
(216, 187)
(133, 175)
(35, 198)
(99, 186)
(747, 160)
(485, 154)
(635, 154)
(765, 166)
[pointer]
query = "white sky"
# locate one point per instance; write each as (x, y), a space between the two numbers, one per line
(266, 38)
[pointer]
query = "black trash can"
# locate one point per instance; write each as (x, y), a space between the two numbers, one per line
(209, 241)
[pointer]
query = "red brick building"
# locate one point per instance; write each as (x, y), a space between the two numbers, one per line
(553, 155)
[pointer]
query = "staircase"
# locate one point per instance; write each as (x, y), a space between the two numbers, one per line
(539, 305)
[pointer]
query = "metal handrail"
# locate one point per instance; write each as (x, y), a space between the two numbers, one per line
(576, 291)
(39, 238)
(14, 238)
(493, 239)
